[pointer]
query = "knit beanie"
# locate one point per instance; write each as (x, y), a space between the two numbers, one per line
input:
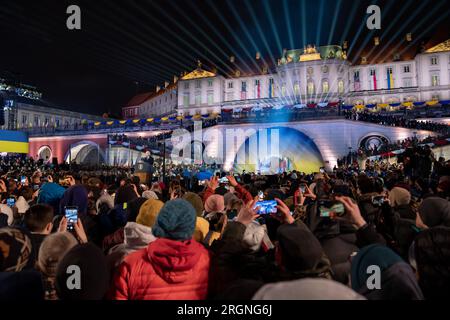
(214, 203)
(201, 229)
(8, 211)
(375, 254)
(53, 249)
(149, 194)
(176, 220)
(195, 200)
(94, 273)
(229, 198)
(15, 250)
(22, 205)
(149, 212)
(435, 211)
(253, 236)
(399, 196)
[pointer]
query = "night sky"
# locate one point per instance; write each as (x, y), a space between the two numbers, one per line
(123, 43)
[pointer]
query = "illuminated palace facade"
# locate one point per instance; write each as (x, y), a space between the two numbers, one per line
(319, 76)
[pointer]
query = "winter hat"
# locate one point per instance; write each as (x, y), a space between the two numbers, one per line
(8, 211)
(201, 229)
(22, 205)
(195, 200)
(229, 198)
(215, 203)
(399, 196)
(149, 212)
(75, 196)
(375, 254)
(125, 194)
(15, 250)
(136, 232)
(253, 236)
(53, 249)
(435, 211)
(307, 289)
(94, 273)
(149, 195)
(300, 249)
(51, 193)
(176, 220)
(106, 199)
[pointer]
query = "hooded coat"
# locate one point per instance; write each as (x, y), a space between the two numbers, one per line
(165, 270)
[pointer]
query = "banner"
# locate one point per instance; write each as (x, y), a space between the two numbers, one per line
(13, 141)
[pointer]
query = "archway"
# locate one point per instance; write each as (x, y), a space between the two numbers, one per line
(85, 152)
(45, 153)
(287, 149)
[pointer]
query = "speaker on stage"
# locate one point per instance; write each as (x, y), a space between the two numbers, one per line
(143, 170)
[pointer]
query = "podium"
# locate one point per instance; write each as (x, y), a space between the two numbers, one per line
(144, 171)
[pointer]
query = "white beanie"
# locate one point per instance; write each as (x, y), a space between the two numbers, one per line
(253, 236)
(149, 195)
(8, 211)
(22, 205)
(307, 289)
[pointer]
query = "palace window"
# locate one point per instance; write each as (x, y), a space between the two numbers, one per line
(198, 99)
(310, 88)
(434, 61)
(407, 82)
(230, 85)
(283, 74)
(325, 86)
(297, 88)
(283, 89)
(210, 82)
(406, 68)
(244, 86)
(434, 80)
(257, 82)
(341, 88)
(186, 85)
(24, 119)
(389, 70)
(186, 99)
(198, 84)
(210, 98)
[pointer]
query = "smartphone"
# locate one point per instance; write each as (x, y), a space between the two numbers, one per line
(322, 170)
(35, 187)
(23, 180)
(329, 209)
(302, 188)
(266, 207)
(223, 180)
(377, 200)
(71, 214)
(10, 202)
(201, 182)
(260, 195)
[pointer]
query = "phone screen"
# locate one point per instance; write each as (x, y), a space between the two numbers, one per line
(260, 195)
(71, 214)
(223, 180)
(322, 170)
(266, 207)
(330, 211)
(10, 202)
(35, 187)
(201, 182)
(303, 188)
(23, 180)
(377, 200)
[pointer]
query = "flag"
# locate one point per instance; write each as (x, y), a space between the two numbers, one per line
(13, 141)
(271, 88)
(374, 77)
(357, 85)
(257, 89)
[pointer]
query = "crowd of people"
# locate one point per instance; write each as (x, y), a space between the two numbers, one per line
(397, 121)
(205, 235)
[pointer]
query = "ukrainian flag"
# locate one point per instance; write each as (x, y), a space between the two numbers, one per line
(13, 141)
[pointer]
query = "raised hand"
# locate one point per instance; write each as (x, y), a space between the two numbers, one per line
(247, 213)
(283, 212)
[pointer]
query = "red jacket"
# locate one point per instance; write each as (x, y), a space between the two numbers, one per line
(165, 270)
(241, 193)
